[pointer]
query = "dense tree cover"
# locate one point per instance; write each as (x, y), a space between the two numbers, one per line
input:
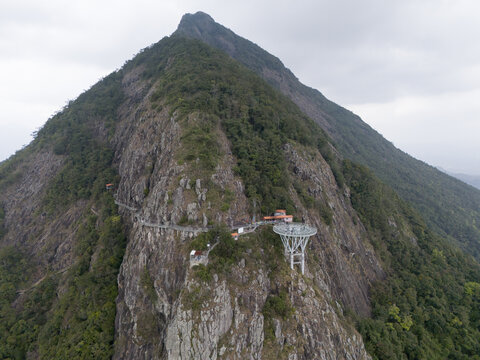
(94, 110)
(13, 274)
(263, 244)
(429, 305)
(199, 141)
(76, 322)
(74, 318)
(222, 38)
(449, 206)
(226, 252)
(2, 226)
(12, 169)
(81, 323)
(76, 133)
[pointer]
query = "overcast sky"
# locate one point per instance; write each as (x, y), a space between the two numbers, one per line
(410, 69)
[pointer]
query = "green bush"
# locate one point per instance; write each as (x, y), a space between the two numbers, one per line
(195, 298)
(276, 306)
(311, 203)
(201, 240)
(199, 141)
(203, 273)
(226, 252)
(147, 284)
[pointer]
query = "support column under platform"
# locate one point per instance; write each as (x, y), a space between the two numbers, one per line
(295, 238)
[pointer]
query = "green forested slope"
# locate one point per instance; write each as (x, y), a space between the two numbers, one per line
(80, 322)
(448, 205)
(67, 314)
(429, 305)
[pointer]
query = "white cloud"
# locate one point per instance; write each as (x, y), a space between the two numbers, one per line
(440, 129)
(33, 90)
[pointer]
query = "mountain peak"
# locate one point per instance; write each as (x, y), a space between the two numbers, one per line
(197, 23)
(203, 27)
(198, 16)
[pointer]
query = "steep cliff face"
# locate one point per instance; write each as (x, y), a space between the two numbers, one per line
(162, 193)
(231, 324)
(22, 199)
(342, 257)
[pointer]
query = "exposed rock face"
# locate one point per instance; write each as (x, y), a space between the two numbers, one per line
(346, 263)
(314, 332)
(146, 156)
(51, 240)
(222, 329)
(320, 329)
(190, 336)
(145, 143)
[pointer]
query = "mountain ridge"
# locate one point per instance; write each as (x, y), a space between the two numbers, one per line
(470, 179)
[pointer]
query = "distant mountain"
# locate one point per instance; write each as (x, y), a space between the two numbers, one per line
(473, 180)
(449, 207)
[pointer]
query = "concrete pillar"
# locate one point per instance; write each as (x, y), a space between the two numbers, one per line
(303, 263)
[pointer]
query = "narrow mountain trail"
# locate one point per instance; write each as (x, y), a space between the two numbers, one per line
(248, 228)
(39, 281)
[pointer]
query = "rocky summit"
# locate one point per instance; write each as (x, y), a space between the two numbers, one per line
(138, 225)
